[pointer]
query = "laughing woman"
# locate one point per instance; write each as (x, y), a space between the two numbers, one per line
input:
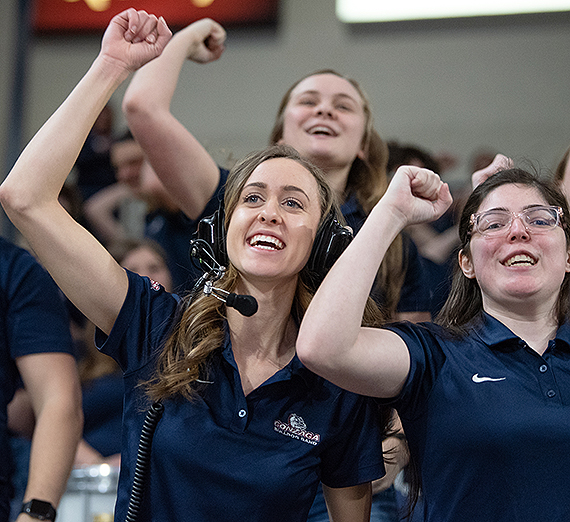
(484, 395)
(247, 431)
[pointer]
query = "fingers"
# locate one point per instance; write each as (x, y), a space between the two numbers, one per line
(500, 162)
(142, 26)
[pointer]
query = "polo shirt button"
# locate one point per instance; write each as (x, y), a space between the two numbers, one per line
(551, 393)
(543, 368)
(242, 413)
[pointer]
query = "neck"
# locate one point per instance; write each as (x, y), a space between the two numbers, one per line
(271, 332)
(337, 178)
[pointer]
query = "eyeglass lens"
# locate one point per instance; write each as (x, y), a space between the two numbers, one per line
(536, 219)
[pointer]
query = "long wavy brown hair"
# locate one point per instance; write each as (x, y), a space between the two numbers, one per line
(200, 330)
(368, 181)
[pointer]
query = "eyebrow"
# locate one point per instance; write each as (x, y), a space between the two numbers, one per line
(285, 188)
(527, 207)
(337, 95)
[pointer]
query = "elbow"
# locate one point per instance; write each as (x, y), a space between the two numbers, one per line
(135, 107)
(310, 353)
(13, 202)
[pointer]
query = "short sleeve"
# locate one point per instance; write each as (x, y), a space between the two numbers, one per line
(142, 325)
(426, 361)
(356, 456)
(35, 313)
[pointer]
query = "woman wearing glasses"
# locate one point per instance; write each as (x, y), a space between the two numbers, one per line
(483, 394)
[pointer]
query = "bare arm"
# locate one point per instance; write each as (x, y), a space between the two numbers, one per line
(52, 384)
(90, 277)
(350, 504)
(331, 342)
(187, 170)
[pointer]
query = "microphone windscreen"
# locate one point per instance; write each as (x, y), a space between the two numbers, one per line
(244, 304)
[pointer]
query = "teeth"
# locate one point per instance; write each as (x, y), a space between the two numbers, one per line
(266, 242)
(320, 129)
(520, 259)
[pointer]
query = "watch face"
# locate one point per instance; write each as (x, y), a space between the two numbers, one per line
(40, 509)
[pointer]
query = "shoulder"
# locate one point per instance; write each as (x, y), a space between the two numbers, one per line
(144, 321)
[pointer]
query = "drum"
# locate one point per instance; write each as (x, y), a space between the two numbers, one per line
(90, 495)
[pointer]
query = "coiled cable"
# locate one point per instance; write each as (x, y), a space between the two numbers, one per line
(152, 417)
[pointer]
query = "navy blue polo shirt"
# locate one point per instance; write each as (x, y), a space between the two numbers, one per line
(488, 421)
(415, 292)
(33, 320)
(225, 456)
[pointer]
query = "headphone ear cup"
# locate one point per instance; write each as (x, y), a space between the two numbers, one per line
(212, 229)
(221, 252)
(330, 242)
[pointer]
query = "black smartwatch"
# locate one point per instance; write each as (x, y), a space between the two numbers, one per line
(39, 509)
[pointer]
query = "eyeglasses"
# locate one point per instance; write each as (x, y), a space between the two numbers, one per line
(495, 223)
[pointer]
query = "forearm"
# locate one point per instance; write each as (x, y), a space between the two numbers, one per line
(58, 430)
(350, 504)
(332, 322)
(151, 90)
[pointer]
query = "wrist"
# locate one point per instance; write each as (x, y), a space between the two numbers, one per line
(39, 509)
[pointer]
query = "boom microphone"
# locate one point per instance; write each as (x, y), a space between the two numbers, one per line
(202, 251)
(244, 304)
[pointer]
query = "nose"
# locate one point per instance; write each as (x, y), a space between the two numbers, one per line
(270, 212)
(324, 108)
(518, 229)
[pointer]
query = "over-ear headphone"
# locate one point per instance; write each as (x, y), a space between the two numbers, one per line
(330, 241)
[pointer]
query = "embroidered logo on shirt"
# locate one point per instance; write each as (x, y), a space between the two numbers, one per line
(296, 428)
(477, 379)
(154, 285)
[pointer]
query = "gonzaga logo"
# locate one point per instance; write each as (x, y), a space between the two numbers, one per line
(296, 428)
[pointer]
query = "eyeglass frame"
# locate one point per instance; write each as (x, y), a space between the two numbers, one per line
(475, 218)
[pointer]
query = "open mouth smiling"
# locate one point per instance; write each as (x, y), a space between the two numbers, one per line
(266, 242)
(520, 260)
(321, 130)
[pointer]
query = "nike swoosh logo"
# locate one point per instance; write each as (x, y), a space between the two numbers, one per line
(476, 378)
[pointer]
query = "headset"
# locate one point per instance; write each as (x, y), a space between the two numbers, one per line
(330, 242)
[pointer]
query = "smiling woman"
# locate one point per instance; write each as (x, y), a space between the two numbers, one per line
(484, 395)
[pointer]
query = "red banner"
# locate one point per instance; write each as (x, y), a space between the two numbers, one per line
(94, 15)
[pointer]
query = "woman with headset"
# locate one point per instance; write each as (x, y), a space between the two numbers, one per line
(328, 119)
(247, 433)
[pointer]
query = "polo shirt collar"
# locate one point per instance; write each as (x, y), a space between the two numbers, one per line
(494, 333)
(294, 368)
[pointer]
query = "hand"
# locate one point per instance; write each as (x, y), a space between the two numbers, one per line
(417, 195)
(133, 38)
(207, 40)
(500, 162)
